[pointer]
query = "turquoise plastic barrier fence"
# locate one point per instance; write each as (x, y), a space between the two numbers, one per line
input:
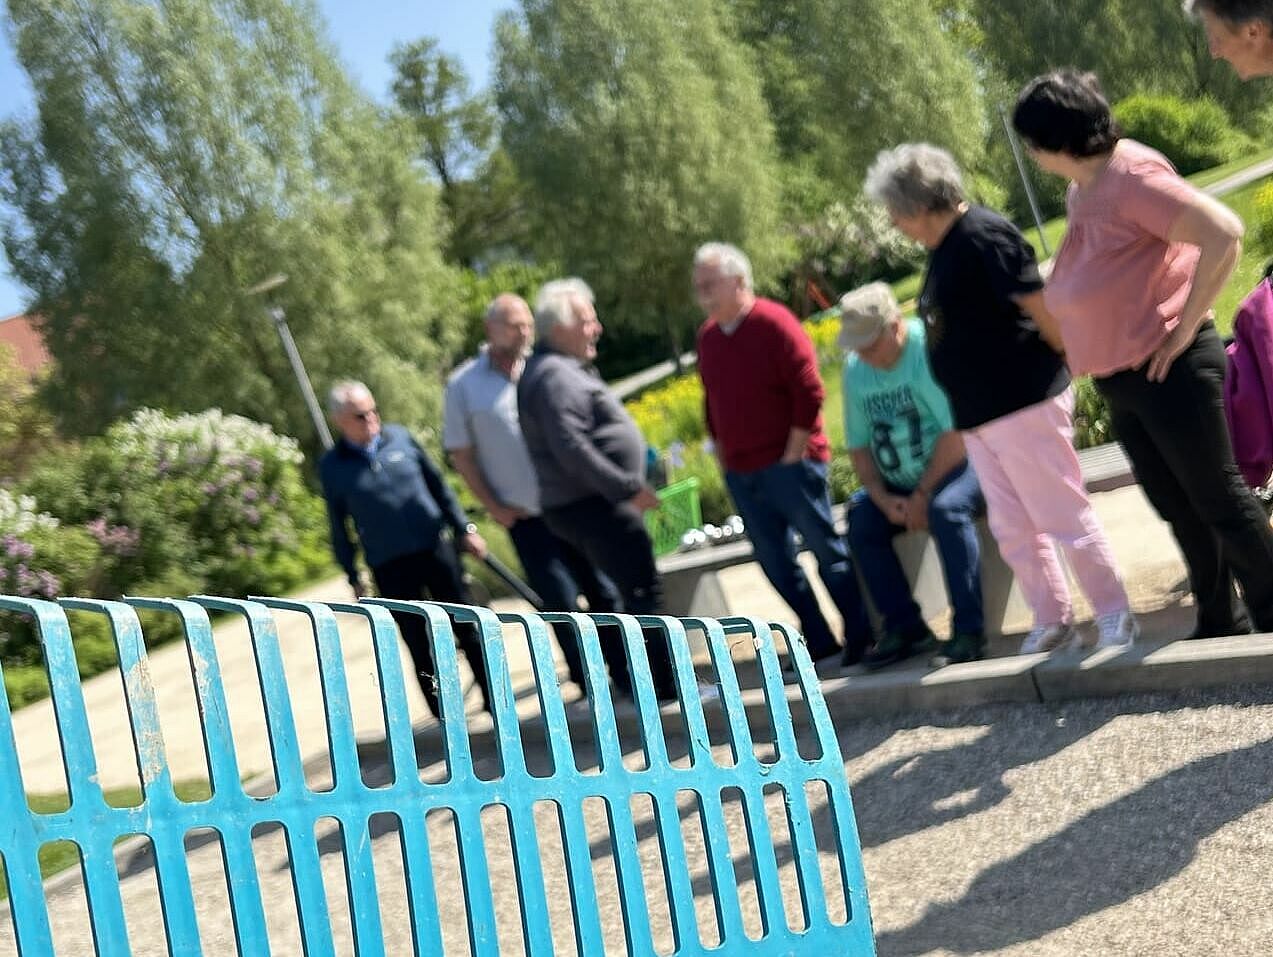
(94, 825)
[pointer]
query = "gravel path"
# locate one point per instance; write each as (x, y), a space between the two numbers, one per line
(1141, 825)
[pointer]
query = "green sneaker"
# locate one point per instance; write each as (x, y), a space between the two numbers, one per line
(895, 646)
(961, 648)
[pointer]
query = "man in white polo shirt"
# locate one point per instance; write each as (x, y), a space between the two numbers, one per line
(483, 436)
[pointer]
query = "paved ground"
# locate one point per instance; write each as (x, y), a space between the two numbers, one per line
(1139, 825)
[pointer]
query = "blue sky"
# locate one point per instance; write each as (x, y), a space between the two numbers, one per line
(364, 32)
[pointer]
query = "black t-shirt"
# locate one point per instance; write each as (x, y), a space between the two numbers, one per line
(985, 351)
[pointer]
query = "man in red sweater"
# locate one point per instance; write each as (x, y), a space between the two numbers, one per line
(763, 398)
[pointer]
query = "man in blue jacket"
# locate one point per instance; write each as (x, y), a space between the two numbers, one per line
(378, 476)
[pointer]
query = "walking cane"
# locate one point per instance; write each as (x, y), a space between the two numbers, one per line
(513, 582)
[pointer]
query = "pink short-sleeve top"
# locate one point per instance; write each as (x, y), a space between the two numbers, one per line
(1117, 285)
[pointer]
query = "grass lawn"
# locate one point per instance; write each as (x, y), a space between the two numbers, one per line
(60, 855)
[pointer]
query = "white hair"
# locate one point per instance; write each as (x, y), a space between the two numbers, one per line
(555, 304)
(728, 259)
(915, 178)
(342, 393)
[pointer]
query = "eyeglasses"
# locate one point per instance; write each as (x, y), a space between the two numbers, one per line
(366, 416)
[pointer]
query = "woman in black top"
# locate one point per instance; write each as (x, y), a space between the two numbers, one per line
(996, 351)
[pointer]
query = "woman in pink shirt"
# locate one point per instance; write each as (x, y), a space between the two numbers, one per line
(1143, 258)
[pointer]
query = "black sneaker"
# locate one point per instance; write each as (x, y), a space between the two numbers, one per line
(896, 646)
(853, 655)
(961, 648)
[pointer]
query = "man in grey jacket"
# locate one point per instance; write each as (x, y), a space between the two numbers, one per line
(590, 460)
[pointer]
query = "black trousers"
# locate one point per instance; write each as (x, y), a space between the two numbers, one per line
(559, 574)
(431, 576)
(1178, 441)
(614, 539)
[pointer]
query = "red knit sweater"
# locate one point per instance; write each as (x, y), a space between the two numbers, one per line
(760, 383)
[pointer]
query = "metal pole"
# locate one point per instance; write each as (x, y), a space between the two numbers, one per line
(302, 378)
(1025, 181)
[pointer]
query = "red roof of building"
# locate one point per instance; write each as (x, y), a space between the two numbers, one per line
(20, 334)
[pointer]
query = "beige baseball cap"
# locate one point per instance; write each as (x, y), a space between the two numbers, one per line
(864, 313)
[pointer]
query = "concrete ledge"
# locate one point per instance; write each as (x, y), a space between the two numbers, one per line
(1170, 667)
(916, 687)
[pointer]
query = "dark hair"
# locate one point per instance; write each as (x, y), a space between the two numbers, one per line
(1234, 12)
(1066, 112)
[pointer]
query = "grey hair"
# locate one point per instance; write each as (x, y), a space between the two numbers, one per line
(1234, 12)
(555, 304)
(500, 305)
(728, 259)
(915, 178)
(342, 392)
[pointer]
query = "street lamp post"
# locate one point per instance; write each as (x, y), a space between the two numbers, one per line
(279, 318)
(1025, 181)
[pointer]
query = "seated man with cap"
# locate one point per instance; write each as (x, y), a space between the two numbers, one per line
(914, 473)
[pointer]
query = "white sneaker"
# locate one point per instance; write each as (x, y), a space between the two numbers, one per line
(1047, 637)
(1117, 630)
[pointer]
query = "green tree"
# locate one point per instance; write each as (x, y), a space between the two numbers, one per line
(847, 78)
(1135, 46)
(456, 131)
(182, 152)
(640, 130)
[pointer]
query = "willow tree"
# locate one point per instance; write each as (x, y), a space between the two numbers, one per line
(640, 131)
(182, 152)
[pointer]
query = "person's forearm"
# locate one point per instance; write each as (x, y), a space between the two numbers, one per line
(465, 462)
(1049, 326)
(1216, 263)
(869, 476)
(797, 442)
(1217, 232)
(948, 454)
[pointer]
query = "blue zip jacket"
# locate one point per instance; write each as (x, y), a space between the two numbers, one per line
(395, 495)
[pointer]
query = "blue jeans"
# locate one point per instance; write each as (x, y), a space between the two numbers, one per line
(952, 514)
(775, 503)
(558, 574)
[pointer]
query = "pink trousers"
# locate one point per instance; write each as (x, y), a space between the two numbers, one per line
(1036, 500)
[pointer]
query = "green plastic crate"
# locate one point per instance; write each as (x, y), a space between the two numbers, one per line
(678, 512)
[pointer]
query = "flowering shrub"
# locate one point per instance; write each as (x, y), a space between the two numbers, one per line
(158, 505)
(848, 244)
(210, 500)
(671, 413)
(41, 558)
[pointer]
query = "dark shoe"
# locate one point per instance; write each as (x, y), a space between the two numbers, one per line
(896, 646)
(1200, 633)
(962, 648)
(853, 655)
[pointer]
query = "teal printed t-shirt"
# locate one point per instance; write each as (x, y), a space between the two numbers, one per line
(898, 413)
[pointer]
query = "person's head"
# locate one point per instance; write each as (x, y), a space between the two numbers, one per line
(871, 325)
(353, 410)
(566, 318)
(510, 327)
(1240, 31)
(921, 188)
(1064, 117)
(722, 281)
